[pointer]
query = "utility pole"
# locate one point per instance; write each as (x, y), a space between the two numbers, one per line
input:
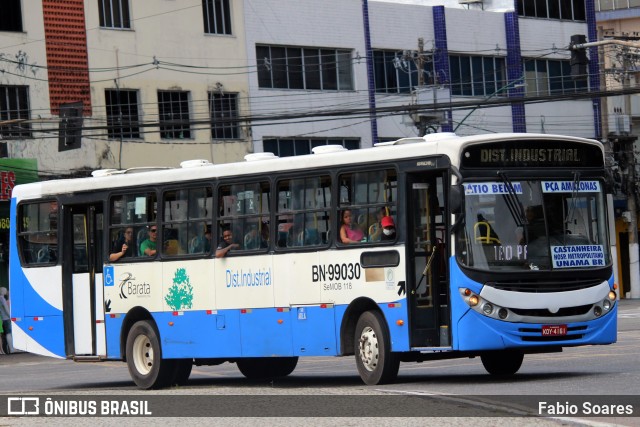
(422, 120)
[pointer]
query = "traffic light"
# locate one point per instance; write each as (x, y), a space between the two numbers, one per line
(579, 60)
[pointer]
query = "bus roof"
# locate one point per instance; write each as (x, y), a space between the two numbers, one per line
(447, 144)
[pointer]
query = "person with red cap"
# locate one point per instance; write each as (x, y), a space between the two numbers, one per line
(388, 228)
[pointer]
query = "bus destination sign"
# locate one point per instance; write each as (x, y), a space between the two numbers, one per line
(532, 154)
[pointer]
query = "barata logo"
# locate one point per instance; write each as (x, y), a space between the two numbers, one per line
(129, 287)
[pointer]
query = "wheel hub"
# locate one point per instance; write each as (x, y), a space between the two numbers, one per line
(369, 352)
(143, 357)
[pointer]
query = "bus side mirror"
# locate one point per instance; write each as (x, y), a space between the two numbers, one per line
(455, 199)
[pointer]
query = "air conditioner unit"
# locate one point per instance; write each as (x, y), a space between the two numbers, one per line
(619, 124)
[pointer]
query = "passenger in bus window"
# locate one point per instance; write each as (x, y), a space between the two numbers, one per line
(349, 231)
(388, 229)
(252, 239)
(226, 244)
(375, 230)
(264, 233)
(148, 247)
(295, 235)
(123, 247)
(207, 239)
(535, 227)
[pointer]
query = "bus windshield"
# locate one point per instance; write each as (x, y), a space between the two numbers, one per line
(533, 225)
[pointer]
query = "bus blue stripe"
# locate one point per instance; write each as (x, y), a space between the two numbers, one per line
(299, 331)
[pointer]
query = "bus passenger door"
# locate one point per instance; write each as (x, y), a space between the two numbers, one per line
(82, 280)
(427, 287)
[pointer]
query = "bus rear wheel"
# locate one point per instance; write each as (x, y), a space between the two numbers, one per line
(503, 362)
(144, 357)
(374, 359)
(257, 368)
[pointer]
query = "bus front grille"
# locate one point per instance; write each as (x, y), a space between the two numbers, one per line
(543, 312)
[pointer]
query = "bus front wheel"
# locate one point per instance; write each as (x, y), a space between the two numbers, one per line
(503, 362)
(144, 357)
(256, 368)
(374, 359)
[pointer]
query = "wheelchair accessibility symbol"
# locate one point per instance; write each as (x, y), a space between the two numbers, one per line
(108, 276)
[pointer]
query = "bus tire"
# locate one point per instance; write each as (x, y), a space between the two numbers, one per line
(144, 357)
(376, 363)
(181, 371)
(503, 362)
(258, 368)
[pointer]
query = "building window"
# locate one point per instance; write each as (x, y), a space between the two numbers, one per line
(282, 67)
(11, 16)
(548, 77)
(397, 71)
(477, 75)
(217, 16)
(603, 5)
(114, 13)
(571, 10)
(14, 105)
(286, 147)
(122, 113)
(223, 110)
(174, 114)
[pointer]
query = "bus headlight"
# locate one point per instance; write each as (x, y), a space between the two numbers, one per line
(487, 308)
(606, 304)
(597, 310)
(612, 296)
(482, 306)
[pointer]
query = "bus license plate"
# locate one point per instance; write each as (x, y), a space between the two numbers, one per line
(554, 330)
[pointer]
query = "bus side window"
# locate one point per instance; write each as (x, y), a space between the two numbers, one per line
(37, 233)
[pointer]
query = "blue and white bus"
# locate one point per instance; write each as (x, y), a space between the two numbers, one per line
(501, 250)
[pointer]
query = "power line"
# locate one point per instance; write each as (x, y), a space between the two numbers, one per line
(360, 113)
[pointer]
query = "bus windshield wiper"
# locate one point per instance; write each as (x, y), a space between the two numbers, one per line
(574, 199)
(511, 199)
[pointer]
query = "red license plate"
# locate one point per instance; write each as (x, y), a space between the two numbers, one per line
(554, 330)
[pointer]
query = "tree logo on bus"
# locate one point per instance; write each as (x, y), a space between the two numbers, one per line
(180, 295)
